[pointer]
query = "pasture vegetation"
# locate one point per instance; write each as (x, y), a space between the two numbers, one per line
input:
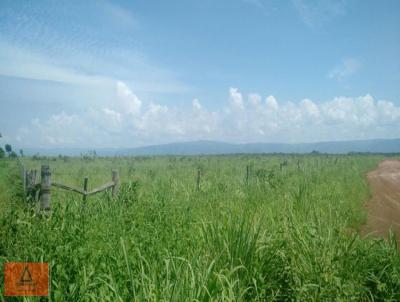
(289, 235)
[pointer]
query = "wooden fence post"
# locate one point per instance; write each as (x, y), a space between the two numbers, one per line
(33, 178)
(198, 179)
(45, 187)
(26, 181)
(23, 176)
(85, 186)
(23, 172)
(115, 179)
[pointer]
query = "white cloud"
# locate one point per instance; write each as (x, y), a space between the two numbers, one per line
(236, 98)
(18, 62)
(111, 119)
(345, 69)
(309, 108)
(271, 102)
(254, 99)
(68, 64)
(130, 102)
(141, 123)
(58, 130)
(196, 104)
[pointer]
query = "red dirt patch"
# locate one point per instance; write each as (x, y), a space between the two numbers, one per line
(384, 207)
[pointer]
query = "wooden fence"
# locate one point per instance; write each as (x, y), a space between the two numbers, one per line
(40, 191)
(35, 190)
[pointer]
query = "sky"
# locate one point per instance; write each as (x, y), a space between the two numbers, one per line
(105, 73)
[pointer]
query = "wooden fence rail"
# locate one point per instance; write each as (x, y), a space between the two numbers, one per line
(68, 188)
(34, 190)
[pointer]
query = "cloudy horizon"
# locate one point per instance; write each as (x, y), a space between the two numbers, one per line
(238, 71)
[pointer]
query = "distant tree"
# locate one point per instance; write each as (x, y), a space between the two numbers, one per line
(13, 154)
(2, 153)
(21, 152)
(8, 148)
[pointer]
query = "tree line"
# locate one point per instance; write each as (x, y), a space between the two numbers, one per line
(8, 151)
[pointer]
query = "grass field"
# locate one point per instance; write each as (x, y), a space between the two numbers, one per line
(290, 234)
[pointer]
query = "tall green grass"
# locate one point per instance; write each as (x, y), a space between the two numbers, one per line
(290, 235)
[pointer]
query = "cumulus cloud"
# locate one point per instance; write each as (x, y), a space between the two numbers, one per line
(128, 121)
(236, 98)
(309, 109)
(129, 101)
(196, 104)
(271, 102)
(59, 129)
(254, 99)
(114, 116)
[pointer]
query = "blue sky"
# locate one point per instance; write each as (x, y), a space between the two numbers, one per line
(131, 73)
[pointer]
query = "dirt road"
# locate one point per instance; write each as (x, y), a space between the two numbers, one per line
(384, 206)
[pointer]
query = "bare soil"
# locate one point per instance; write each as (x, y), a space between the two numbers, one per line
(384, 207)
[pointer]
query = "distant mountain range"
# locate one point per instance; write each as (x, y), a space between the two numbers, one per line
(212, 147)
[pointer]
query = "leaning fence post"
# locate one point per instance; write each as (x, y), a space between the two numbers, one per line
(198, 179)
(85, 186)
(45, 187)
(115, 179)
